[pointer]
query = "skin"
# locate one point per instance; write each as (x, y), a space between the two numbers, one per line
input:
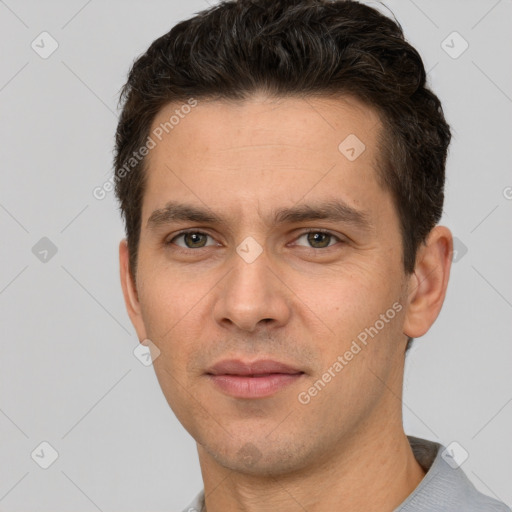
(302, 301)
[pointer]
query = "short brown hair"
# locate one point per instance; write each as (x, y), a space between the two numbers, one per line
(295, 47)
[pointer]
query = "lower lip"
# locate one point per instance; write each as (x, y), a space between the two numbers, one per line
(254, 387)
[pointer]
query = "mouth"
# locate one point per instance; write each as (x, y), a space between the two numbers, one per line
(258, 379)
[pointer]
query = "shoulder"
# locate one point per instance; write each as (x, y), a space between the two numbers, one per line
(445, 487)
(197, 503)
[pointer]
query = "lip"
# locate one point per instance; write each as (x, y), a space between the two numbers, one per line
(257, 379)
(259, 367)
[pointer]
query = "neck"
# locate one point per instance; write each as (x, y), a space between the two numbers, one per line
(375, 475)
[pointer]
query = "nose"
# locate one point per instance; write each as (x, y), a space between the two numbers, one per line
(252, 295)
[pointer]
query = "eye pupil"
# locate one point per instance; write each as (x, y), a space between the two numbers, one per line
(194, 239)
(318, 237)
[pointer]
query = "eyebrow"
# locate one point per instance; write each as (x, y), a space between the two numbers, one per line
(334, 210)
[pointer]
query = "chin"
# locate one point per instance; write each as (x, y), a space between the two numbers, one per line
(252, 458)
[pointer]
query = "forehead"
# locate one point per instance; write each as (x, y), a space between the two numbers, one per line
(310, 123)
(262, 150)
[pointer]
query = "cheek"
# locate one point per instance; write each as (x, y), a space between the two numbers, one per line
(345, 292)
(350, 305)
(168, 318)
(174, 310)
(164, 296)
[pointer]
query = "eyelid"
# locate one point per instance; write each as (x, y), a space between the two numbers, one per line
(320, 230)
(299, 235)
(169, 241)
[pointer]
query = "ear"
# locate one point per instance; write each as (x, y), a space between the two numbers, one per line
(428, 283)
(129, 291)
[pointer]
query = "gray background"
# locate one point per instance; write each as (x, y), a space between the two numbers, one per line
(67, 369)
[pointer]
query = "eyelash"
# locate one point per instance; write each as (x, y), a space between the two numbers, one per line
(195, 231)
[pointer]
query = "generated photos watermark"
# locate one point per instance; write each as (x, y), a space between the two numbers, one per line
(101, 191)
(305, 397)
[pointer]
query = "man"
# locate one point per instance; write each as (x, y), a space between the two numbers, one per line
(280, 168)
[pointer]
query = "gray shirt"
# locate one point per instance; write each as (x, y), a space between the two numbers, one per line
(443, 488)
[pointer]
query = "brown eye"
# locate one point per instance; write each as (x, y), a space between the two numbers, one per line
(319, 239)
(191, 240)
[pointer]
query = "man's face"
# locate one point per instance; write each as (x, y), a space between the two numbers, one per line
(251, 288)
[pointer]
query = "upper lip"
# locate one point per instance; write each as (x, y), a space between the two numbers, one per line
(262, 366)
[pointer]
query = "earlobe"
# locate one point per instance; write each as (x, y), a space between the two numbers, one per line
(429, 281)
